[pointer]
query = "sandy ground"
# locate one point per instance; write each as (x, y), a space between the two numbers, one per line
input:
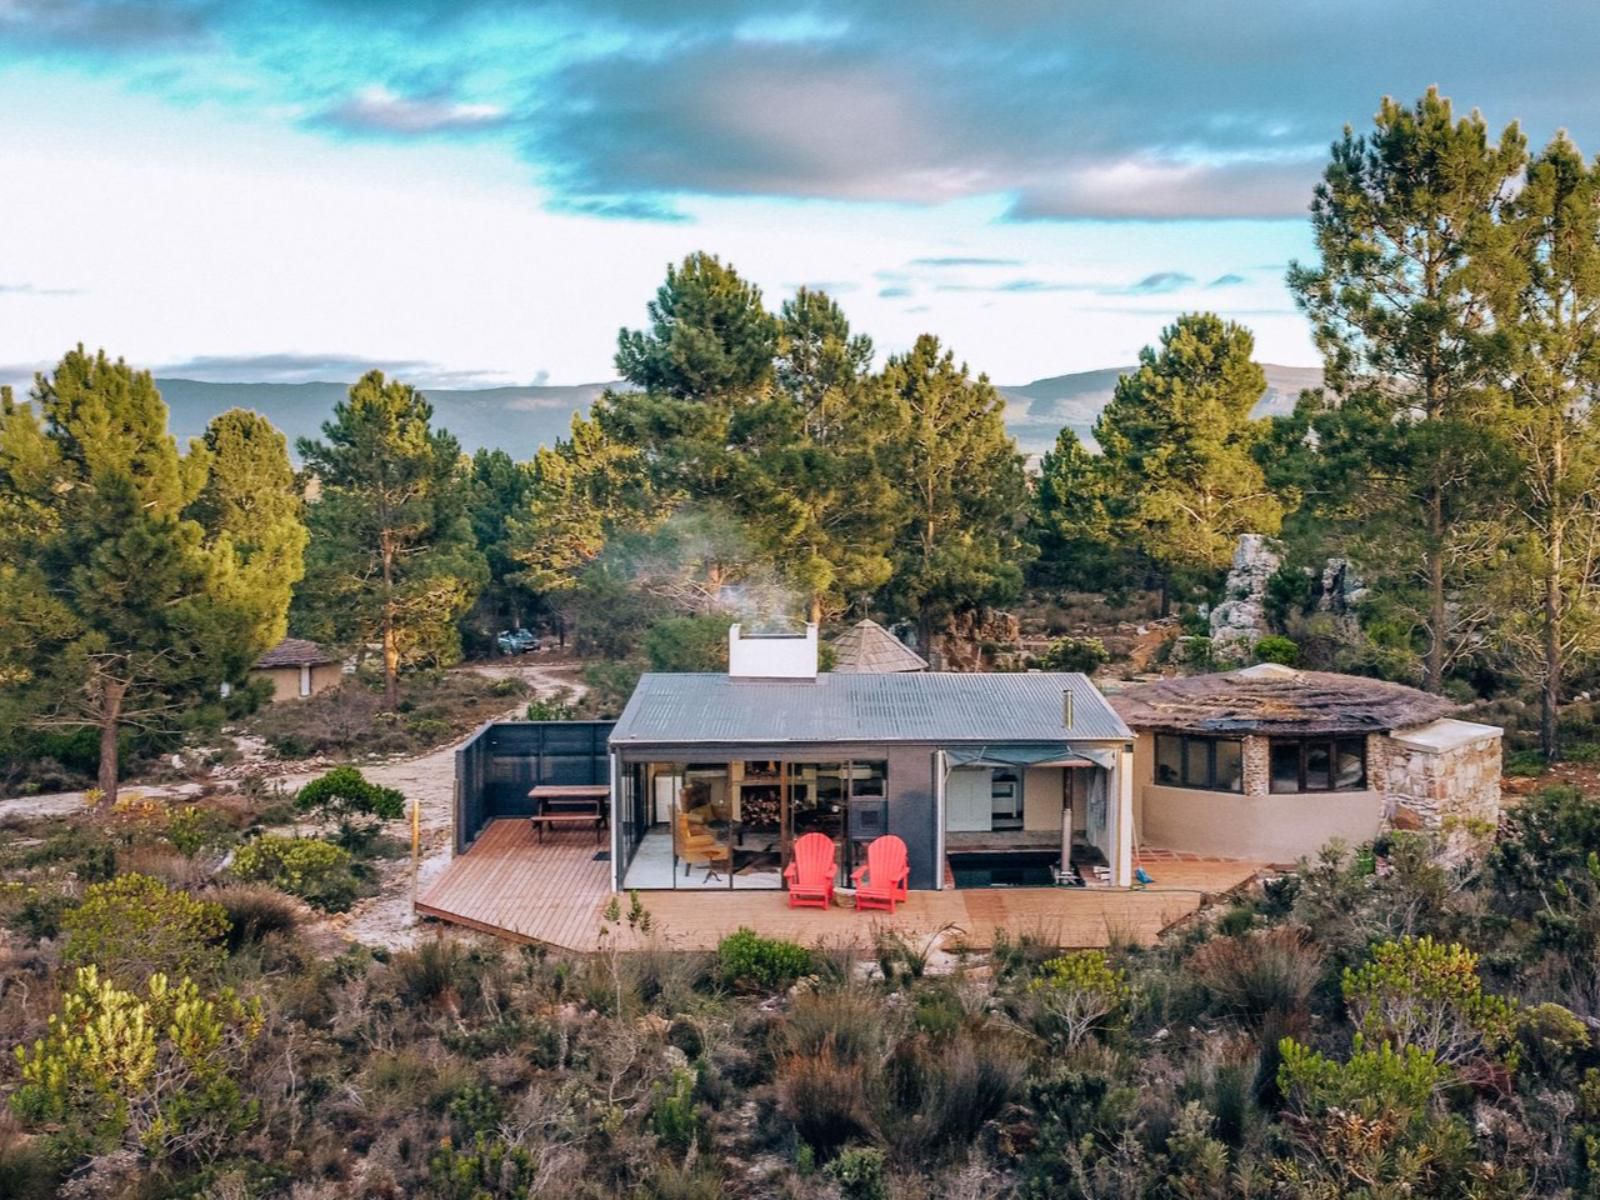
(386, 919)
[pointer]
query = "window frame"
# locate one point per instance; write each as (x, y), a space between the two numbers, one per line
(1331, 742)
(1184, 741)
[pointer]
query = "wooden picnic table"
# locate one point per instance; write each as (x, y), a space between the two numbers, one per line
(569, 804)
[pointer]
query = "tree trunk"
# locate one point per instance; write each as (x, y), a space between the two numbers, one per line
(111, 695)
(391, 645)
(1433, 671)
(1166, 594)
(1550, 692)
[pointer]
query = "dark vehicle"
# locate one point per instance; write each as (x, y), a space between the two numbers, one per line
(516, 641)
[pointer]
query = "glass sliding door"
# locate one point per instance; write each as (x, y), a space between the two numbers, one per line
(846, 802)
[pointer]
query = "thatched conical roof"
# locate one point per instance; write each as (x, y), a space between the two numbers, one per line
(867, 648)
(1273, 699)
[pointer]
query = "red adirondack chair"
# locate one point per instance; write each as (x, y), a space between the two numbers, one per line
(810, 873)
(885, 880)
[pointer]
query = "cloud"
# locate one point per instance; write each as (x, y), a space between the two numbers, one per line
(1160, 283)
(893, 292)
(28, 289)
(106, 25)
(291, 367)
(622, 208)
(966, 262)
(628, 108)
(378, 110)
(1228, 280)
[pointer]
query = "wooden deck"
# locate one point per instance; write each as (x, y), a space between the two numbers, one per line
(511, 885)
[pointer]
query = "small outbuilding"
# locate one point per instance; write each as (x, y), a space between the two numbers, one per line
(867, 648)
(1272, 763)
(298, 668)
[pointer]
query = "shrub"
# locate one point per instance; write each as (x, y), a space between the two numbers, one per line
(824, 1098)
(135, 926)
(1373, 1082)
(1275, 648)
(675, 1116)
(154, 1070)
(1419, 993)
(848, 1024)
(491, 1167)
(254, 912)
(861, 1174)
(1086, 654)
(316, 871)
(1076, 994)
(940, 1091)
(437, 970)
(192, 829)
(1260, 975)
(747, 960)
(345, 797)
(552, 708)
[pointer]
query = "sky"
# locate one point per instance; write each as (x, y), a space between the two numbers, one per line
(482, 192)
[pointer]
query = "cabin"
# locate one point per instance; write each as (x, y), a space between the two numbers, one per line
(715, 776)
(298, 668)
(1272, 763)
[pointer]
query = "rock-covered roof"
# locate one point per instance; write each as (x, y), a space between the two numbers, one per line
(295, 652)
(1272, 699)
(867, 648)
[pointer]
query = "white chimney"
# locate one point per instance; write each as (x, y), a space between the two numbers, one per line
(772, 655)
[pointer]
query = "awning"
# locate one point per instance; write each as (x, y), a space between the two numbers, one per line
(1019, 754)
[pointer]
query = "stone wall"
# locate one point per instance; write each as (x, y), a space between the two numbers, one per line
(1440, 775)
(1257, 766)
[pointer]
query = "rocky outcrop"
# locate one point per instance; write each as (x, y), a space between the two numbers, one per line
(1240, 621)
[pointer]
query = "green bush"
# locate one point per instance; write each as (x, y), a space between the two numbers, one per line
(688, 644)
(344, 797)
(1086, 654)
(154, 1069)
(1526, 764)
(1076, 995)
(134, 926)
(747, 960)
(318, 872)
(552, 708)
(861, 1173)
(1275, 648)
(676, 1117)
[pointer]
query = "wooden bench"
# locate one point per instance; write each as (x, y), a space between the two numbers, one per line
(591, 818)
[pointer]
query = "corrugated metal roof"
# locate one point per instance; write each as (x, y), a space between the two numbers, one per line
(909, 707)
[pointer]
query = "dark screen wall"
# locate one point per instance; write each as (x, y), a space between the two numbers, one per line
(497, 767)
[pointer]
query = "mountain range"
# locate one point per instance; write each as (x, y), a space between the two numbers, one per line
(518, 419)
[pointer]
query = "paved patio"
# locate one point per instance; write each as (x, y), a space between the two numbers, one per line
(553, 893)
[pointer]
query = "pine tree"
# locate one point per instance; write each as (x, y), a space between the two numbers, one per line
(948, 455)
(1397, 217)
(392, 556)
(1078, 541)
(117, 614)
(252, 512)
(1542, 275)
(1179, 445)
(498, 492)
